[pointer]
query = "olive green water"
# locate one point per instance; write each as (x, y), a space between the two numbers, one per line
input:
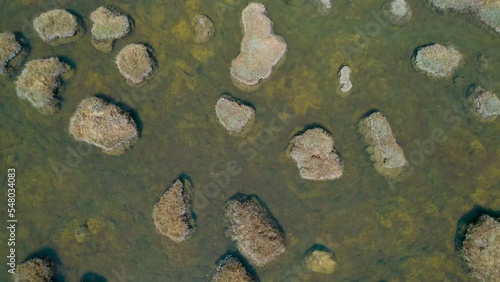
(403, 233)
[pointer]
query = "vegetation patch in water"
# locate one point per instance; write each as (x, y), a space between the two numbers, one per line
(109, 24)
(256, 233)
(9, 49)
(39, 82)
(135, 63)
(231, 269)
(57, 26)
(172, 213)
(34, 270)
(103, 125)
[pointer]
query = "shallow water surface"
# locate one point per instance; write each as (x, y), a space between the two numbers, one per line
(378, 230)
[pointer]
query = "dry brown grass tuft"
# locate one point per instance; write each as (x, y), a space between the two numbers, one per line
(103, 125)
(320, 261)
(9, 48)
(230, 269)
(256, 233)
(135, 63)
(39, 81)
(387, 156)
(234, 116)
(56, 24)
(203, 28)
(482, 104)
(437, 61)
(109, 24)
(481, 249)
(260, 48)
(172, 213)
(315, 155)
(34, 270)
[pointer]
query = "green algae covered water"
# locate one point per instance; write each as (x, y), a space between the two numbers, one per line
(404, 230)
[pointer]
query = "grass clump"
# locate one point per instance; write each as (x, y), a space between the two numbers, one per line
(487, 11)
(109, 24)
(231, 269)
(34, 270)
(398, 12)
(256, 233)
(387, 156)
(57, 26)
(482, 104)
(203, 28)
(315, 155)
(481, 248)
(172, 213)
(135, 63)
(345, 82)
(489, 14)
(260, 50)
(234, 116)
(437, 61)
(103, 125)
(39, 81)
(458, 6)
(320, 261)
(9, 49)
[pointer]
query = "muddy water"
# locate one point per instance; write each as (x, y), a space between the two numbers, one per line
(399, 231)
